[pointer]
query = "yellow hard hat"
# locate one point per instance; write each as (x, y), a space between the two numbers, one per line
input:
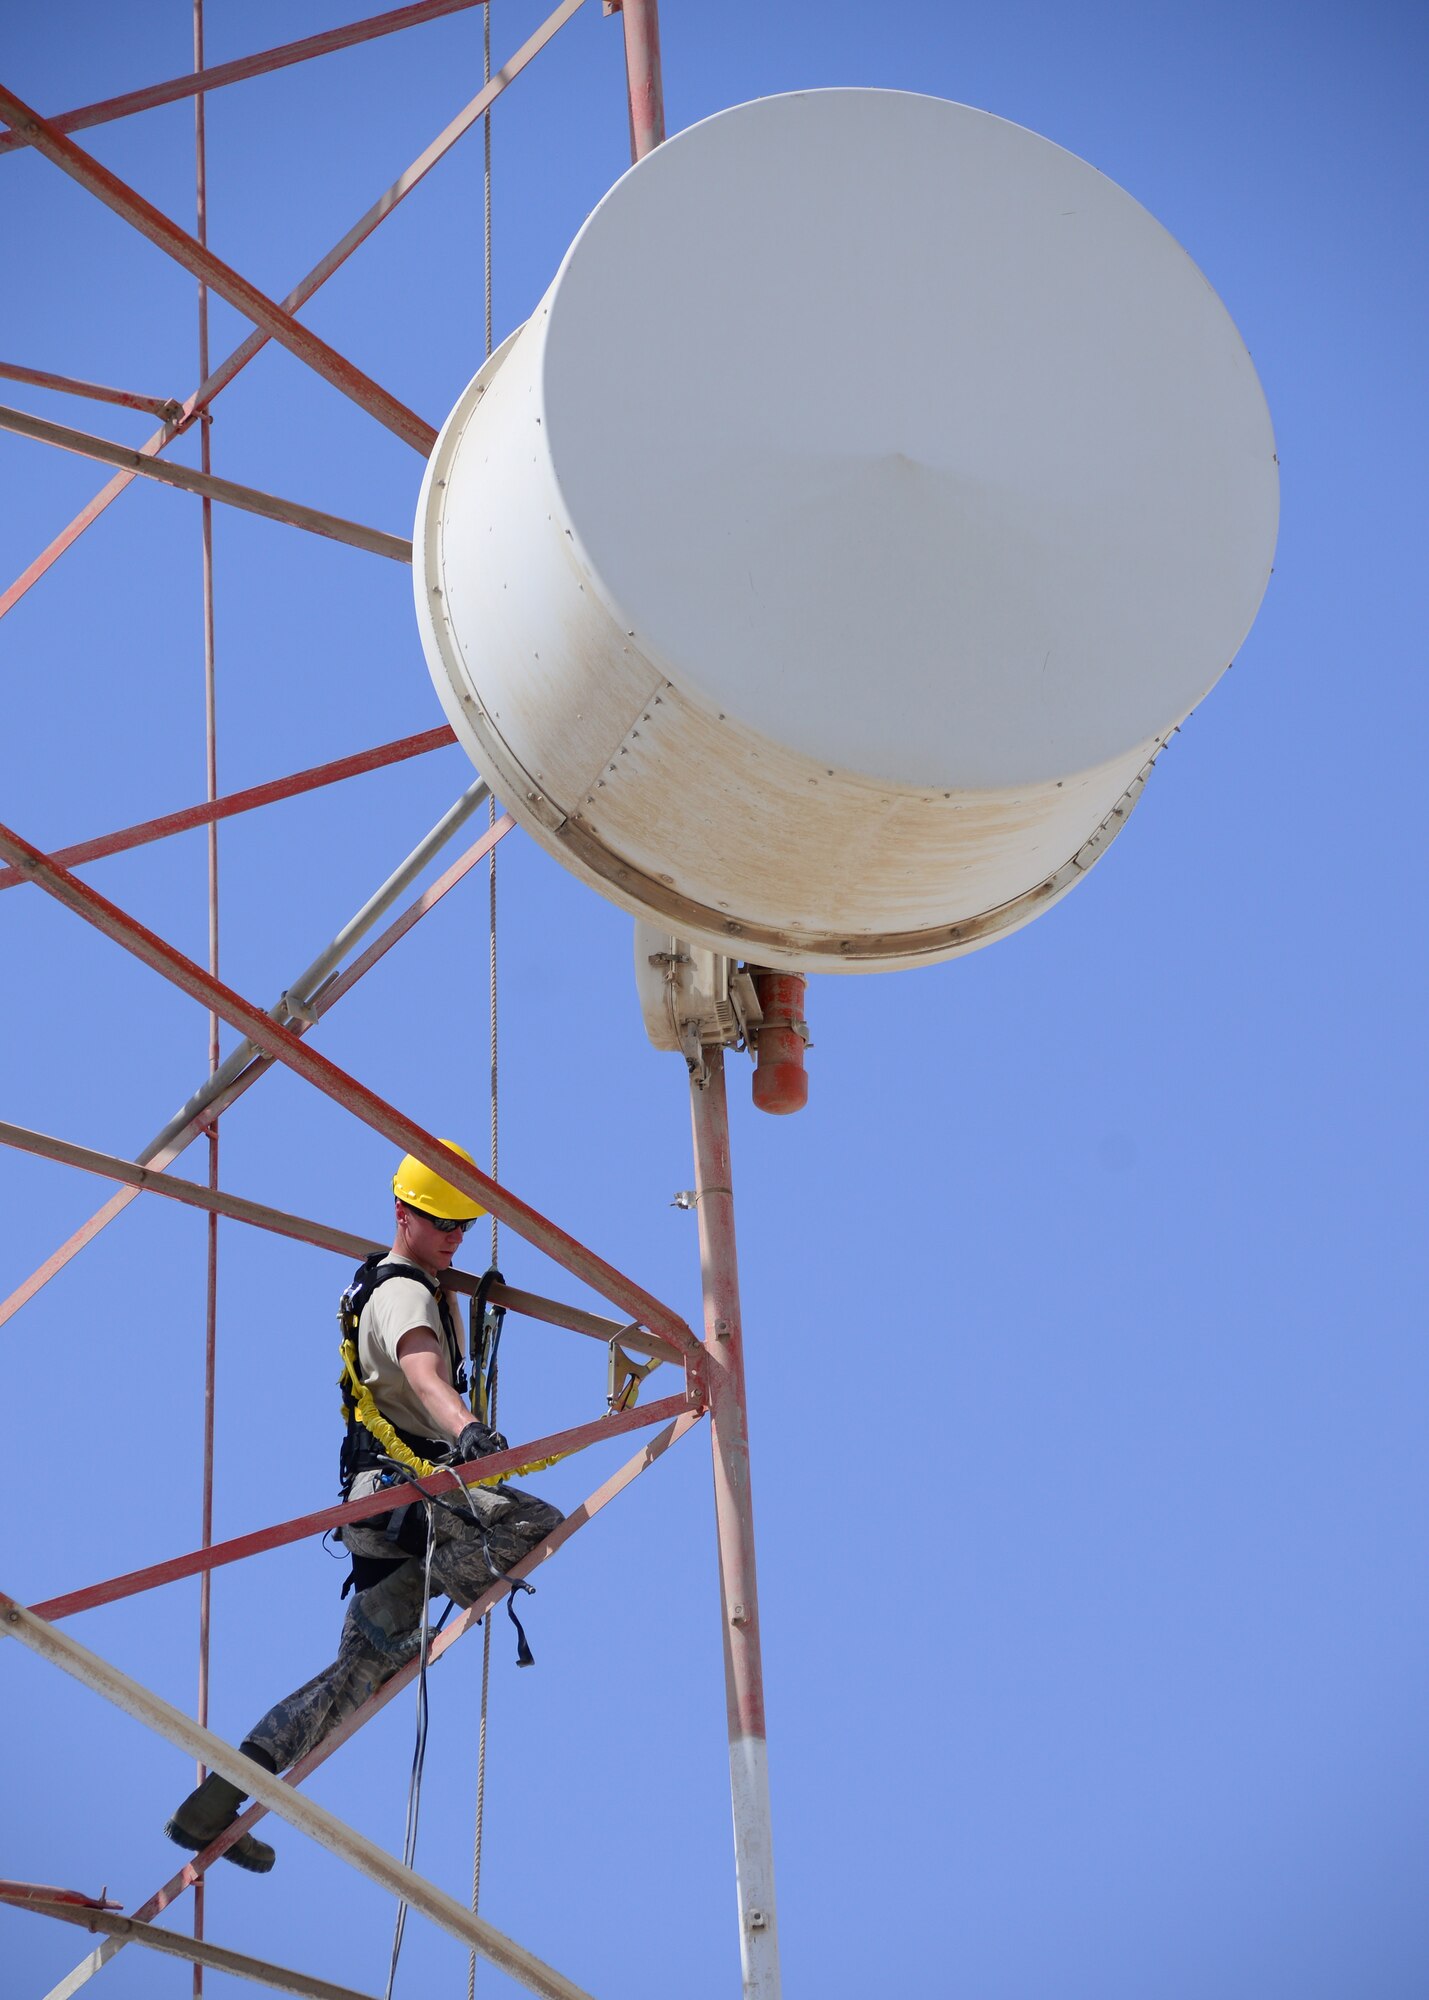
(426, 1191)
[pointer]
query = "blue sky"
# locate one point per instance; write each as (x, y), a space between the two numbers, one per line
(1083, 1303)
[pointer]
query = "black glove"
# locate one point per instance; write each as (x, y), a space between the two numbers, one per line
(478, 1441)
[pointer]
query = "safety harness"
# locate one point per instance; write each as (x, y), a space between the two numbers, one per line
(370, 1439)
(372, 1443)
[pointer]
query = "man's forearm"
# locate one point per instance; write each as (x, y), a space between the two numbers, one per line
(449, 1414)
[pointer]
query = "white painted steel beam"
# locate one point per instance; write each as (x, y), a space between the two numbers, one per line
(219, 1957)
(201, 1744)
(271, 506)
(297, 996)
(193, 1870)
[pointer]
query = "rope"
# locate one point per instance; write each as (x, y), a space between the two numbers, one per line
(480, 1767)
(490, 1414)
(419, 1748)
(486, 178)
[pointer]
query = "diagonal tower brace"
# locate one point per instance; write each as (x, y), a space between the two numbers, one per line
(345, 1090)
(192, 1871)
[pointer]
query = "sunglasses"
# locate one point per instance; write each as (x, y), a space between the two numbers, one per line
(446, 1224)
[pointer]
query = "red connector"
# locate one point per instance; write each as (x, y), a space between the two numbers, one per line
(781, 1084)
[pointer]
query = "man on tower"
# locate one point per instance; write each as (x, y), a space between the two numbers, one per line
(402, 1383)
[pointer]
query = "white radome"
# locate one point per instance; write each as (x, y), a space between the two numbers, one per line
(820, 569)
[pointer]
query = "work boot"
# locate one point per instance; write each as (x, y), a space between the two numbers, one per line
(205, 1813)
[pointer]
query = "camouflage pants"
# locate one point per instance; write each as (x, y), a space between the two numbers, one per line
(381, 1631)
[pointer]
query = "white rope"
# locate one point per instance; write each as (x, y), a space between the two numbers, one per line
(486, 180)
(419, 1753)
(480, 1780)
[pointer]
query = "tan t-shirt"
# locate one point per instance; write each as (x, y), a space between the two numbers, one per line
(395, 1308)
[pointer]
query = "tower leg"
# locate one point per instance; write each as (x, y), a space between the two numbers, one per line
(641, 21)
(734, 1518)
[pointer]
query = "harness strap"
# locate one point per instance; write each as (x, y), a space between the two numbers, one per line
(372, 1441)
(524, 1656)
(360, 1406)
(487, 1321)
(366, 1413)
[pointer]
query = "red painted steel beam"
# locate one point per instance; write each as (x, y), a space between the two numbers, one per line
(291, 787)
(292, 513)
(364, 1104)
(196, 81)
(192, 1872)
(193, 1194)
(245, 297)
(167, 407)
(262, 1971)
(503, 1464)
(322, 1236)
(644, 82)
(325, 998)
(332, 260)
(41, 1892)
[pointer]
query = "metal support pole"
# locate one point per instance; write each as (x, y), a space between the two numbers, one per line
(734, 1521)
(641, 22)
(210, 720)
